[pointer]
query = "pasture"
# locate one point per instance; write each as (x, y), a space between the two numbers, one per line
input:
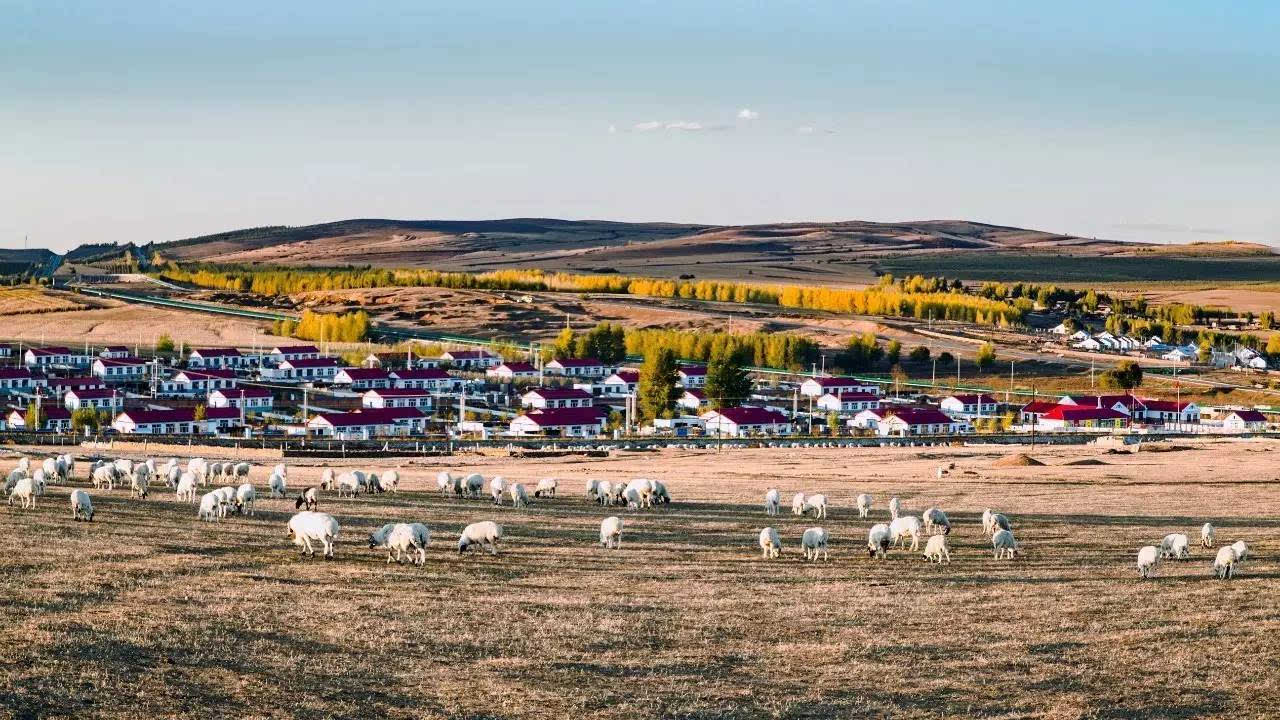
(148, 612)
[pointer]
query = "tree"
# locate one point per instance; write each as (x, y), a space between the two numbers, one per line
(86, 417)
(1126, 375)
(833, 423)
(860, 354)
(728, 384)
(899, 376)
(605, 342)
(564, 345)
(920, 353)
(1070, 325)
(946, 358)
(986, 355)
(1206, 351)
(1273, 345)
(1267, 320)
(199, 413)
(1089, 301)
(35, 417)
(164, 343)
(894, 353)
(659, 386)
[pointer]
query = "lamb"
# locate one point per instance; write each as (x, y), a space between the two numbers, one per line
(104, 475)
(770, 543)
(348, 484)
(878, 540)
(1174, 545)
(635, 500)
(604, 490)
(210, 505)
(473, 486)
(481, 534)
(814, 541)
(797, 504)
(402, 538)
(1004, 544)
(772, 502)
(902, 527)
(1206, 535)
(245, 500)
(593, 490)
(187, 487)
(24, 490)
(307, 527)
(864, 505)
(226, 498)
(659, 494)
(1242, 551)
(546, 487)
(496, 487)
(518, 496)
(934, 518)
(936, 549)
(309, 498)
(1148, 558)
(895, 508)
(817, 504)
(138, 484)
(81, 506)
(389, 481)
(326, 479)
(1224, 565)
(276, 484)
(611, 532)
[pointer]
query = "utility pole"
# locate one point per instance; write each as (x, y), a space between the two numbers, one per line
(934, 378)
(1091, 372)
(1009, 395)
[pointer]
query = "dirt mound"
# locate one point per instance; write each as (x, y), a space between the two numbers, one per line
(1086, 461)
(1017, 460)
(1155, 447)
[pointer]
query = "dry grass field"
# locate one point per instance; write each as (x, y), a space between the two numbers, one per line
(27, 300)
(111, 322)
(148, 613)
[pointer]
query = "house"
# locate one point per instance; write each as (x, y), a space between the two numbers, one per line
(621, 383)
(198, 382)
(362, 378)
(433, 379)
(251, 398)
(548, 398)
(745, 421)
(317, 368)
(1169, 411)
(908, 421)
(819, 386)
(1082, 417)
(1247, 358)
(52, 419)
(284, 353)
(97, 398)
(692, 376)
(220, 419)
(1031, 413)
(869, 419)
(1060, 329)
(386, 360)
(1089, 344)
(848, 402)
(577, 367)
(205, 358)
(969, 406)
(114, 352)
(509, 371)
(695, 400)
(1079, 336)
(560, 422)
(181, 421)
(127, 369)
(1245, 421)
(398, 397)
(45, 357)
(60, 385)
(18, 380)
(1126, 403)
(367, 423)
(470, 359)
(1181, 355)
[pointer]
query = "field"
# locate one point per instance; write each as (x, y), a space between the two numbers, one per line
(147, 612)
(103, 322)
(25, 300)
(1077, 269)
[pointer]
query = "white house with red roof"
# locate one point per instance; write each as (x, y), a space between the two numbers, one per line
(549, 398)
(367, 423)
(115, 352)
(577, 367)
(96, 398)
(250, 397)
(848, 402)
(470, 359)
(1082, 417)
(52, 419)
(1126, 403)
(433, 379)
(692, 376)
(54, 356)
(869, 419)
(16, 380)
(281, 353)
(1168, 411)
(362, 378)
(1244, 421)
(969, 405)
(509, 371)
(621, 383)
(198, 382)
(157, 422)
(560, 422)
(322, 369)
(398, 397)
(1031, 413)
(126, 369)
(745, 421)
(819, 386)
(206, 358)
(695, 400)
(909, 421)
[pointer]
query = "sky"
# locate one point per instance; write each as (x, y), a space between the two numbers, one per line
(151, 121)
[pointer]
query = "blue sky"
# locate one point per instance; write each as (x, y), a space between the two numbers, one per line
(150, 121)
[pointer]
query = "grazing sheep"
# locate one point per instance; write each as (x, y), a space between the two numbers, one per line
(445, 482)
(546, 487)
(1206, 535)
(246, 499)
(659, 494)
(104, 475)
(999, 522)
(81, 506)
(497, 486)
(797, 504)
(123, 467)
(199, 469)
(864, 505)
(402, 538)
(348, 484)
(473, 485)
(309, 498)
(307, 527)
(483, 533)
(617, 494)
(604, 491)
(934, 519)
(1004, 545)
(66, 467)
(213, 472)
(593, 490)
(1224, 565)
(639, 493)
(878, 540)
(226, 499)
(389, 481)
(138, 484)
(187, 487)
(24, 464)
(1174, 545)
(239, 472)
(814, 541)
(172, 475)
(210, 507)
(518, 496)
(770, 543)
(50, 469)
(280, 470)
(1148, 558)
(903, 527)
(895, 508)
(276, 484)
(327, 479)
(635, 500)
(817, 504)
(14, 476)
(611, 532)
(772, 502)
(37, 481)
(936, 549)
(1242, 551)
(24, 490)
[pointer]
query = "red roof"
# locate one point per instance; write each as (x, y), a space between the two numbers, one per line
(313, 362)
(216, 352)
(469, 354)
(975, 399)
(1077, 413)
(1039, 407)
(50, 350)
(560, 394)
(628, 376)
(921, 416)
(50, 412)
(116, 348)
(125, 362)
(151, 417)
(226, 413)
(1248, 415)
(856, 397)
(420, 374)
(696, 393)
(366, 373)
(16, 373)
(217, 374)
(93, 393)
(693, 370)
(296, 350)
(519, 367)
(567, 416)
(1165, 405)
(578, 362)
(828, 382)
(749, 415)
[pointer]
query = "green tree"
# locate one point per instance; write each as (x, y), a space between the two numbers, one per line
(1206, 351)
(986, 355)
(894, 352)
(1070, 325)
(605, 342)
(920, 353)
(833, 423)
(728, 384)
(1125, 376)
(946, 358)
(86, 417)
(659, 384)
(1089, 301)
(860, 354)
(164, 343)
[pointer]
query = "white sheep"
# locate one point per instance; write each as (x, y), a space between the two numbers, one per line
(280, 470)
(1224, 565)
(246, 499)
(593, 490)
(895, 508)
(327, 478)
(1148, 558)
(172, 475)
(1174, 545)
(659, 494)
(37, 481)
(770, 543)
(878, 540)
(24, 464)
(277, 485)
(797, 504)
(999, 522)
(934, 519)
(14, 476)
(817, 504)
(1206, 535)
(864, 505)
(139, 482)
(309, 498)
(1242, 551)
(186, 487)
(1004, 545)
(814, 541)
(546, 487)
(238, 472)
(226, 498)
(446, 482)
(496, 487)
(617, 494)
(123, 466)
(210, 506)
(519, 498)
(24, 490)
(81, 506)
(104, 475)
(611, 532)
(604, 492)
(66, 467)
(307, 527)
(483, 533)
(772, 502)
(401, 539)
(50, 469)
(936, 549)
(348, 484)
(903, 527)
(473, 485)
(199, 469)
(635, 500)
(389, 481)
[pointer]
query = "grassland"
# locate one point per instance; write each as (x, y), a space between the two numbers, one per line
(147, 612)
(34, 301)
(1071, 269)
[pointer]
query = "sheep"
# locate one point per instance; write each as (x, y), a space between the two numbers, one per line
(604, 490)
(545, 487)
(473, 485)
(123, 467)
(37, 481)
(635, 500)
(326, 479)
(639, 493)
(50, 469)
(1242, 551)
(402, 538)
(14, 476)
(934, 518)
(797, 504)
(246, 499)
(138, 484)
(445, 481)
(997, 522)
(1206, 535)
(1004, 545)
(497, 486)
(81, 506)
(24, 464)
(199, 469)
(895, 508)
(66, 467)
(210, 504)
(936, 549)
(816, 504)
(172, 475)
(593, 490)
(878, 540)
(104, 475)
(864, 505)
(617, 494)
(310, 498)
(389, 481)
(150, 464)
(611, 532)
(186, 487)
(772, 502)
(276, 484)
(659, 494)
(904, 526)
(1174, 545)
(483, 533)
(814, 541)
(1224, 565)
(519, 498)
(24, 490)
(770, 543)
(307, 527)
(226, 498)
(280, 470)
(1148, 558)
(239, 472)
(214, 472)
(348, 484)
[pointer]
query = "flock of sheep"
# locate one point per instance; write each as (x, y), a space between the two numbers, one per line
(310, 528)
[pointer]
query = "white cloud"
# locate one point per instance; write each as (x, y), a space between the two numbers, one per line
(748, 114)
(810, 130)
(613, 129)
(647, 126)
(685, 125)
